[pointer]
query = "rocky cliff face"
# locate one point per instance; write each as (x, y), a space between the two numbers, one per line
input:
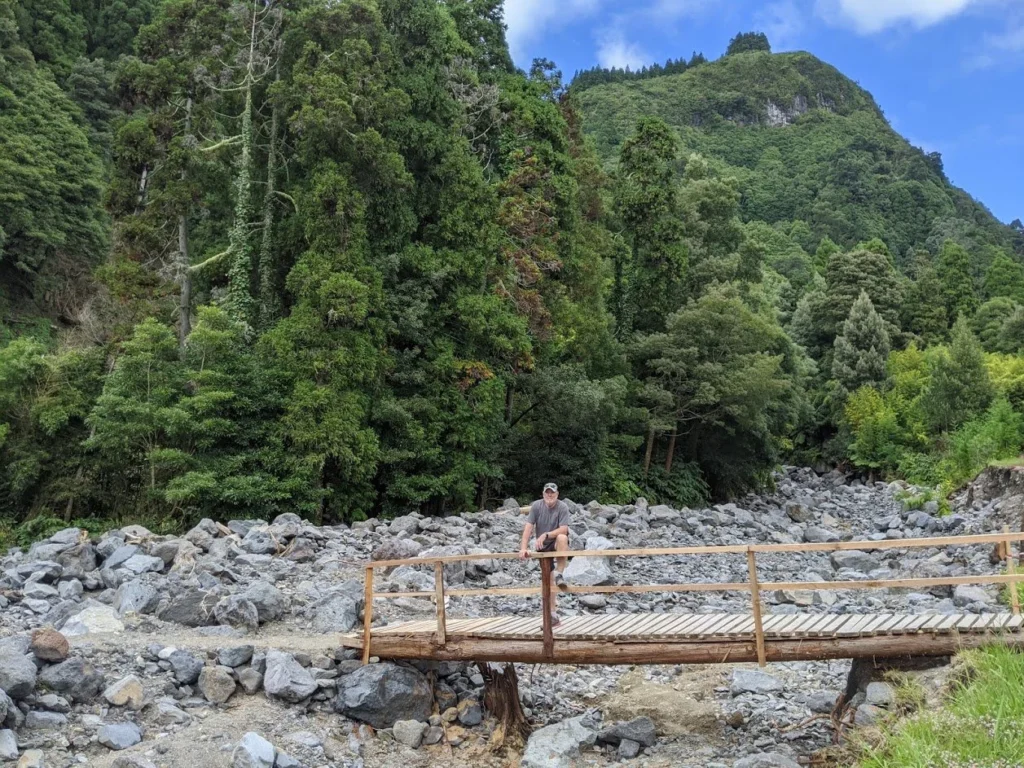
(132, 649)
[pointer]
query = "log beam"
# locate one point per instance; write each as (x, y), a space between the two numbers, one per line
(622, 652)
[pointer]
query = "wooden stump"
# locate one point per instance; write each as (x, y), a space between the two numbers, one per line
(501, 699)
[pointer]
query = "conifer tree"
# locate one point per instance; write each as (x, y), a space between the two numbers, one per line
(1004, 278)
(990, 320)
(960, 388)
(954, 271)
(851, 273)
(925, 315)
(1011, 334)
(862, 348)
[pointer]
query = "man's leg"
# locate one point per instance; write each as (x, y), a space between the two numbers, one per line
(562, 545)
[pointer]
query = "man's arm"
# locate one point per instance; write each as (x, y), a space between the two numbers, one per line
(527, 533)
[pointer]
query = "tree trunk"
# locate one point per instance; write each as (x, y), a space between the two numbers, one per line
(184, 273)
(269, 305)
(650, 450)
(671, 449)
(501, 699)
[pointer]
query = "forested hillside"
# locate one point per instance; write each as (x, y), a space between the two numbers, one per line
(343, 258)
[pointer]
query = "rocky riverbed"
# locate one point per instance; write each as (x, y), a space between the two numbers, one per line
(219, 648)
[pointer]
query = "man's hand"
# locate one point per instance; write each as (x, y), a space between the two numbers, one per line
(540, 541)
(523, 554)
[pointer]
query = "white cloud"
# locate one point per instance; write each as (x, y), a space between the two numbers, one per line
(783, 22)
(869, 16)
(615, 52)
(1005, 48)
(528, 19)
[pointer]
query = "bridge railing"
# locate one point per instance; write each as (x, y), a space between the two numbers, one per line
(1004, 542)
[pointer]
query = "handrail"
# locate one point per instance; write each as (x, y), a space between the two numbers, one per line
(729, 549)
(754, 586)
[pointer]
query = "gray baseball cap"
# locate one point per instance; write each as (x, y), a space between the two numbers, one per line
(551, 487)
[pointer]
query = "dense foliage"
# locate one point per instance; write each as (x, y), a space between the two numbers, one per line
(342, 258)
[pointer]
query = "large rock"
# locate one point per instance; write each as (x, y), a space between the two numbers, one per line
(120, 556)
(139, 564)
(94, 620)
(589, 572)
(259, 542)
(126, 692)
(270, 603)
(641, 730)
(965, 594)
(410, 732)
(236, 611)
(193, 608)
(216, 684)
(766, 760)
(753, 681)
(854, 560)
(136, 596)
(8, 746)
(253, 751)
(336, 613)
(203, 535)
(50, 646)
(397, 549)
(17, 674)
(558, 745)
(454, 572)
(186, 666)
(76, 678)
(286, 679)
(383, 694)
(119, 736)
(235, 657)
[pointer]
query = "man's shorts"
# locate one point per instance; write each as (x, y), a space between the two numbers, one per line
(549, 546)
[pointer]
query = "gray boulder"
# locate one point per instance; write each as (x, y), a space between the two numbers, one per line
(216, 684)
(558, 745)
(454, 573)
(192, 608)
(641, 730)
(397, 549)
(589, 572)
(17, 674)
(8, 746)
(766, 760)
(270, 603)
(119, 736)
(753, 681)
(186, 666)
(139, 564)
(236, 611)
(410, 732)
(383, 694)
(136, 596)
(259, 542)
(253, 751)
(286, 679)
(854, 560)
(336, 613)
(965, 594)
(235, 657)
(76, 678)
(120, 556)
(95, 619)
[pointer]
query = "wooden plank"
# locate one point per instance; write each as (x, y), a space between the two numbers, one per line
(728, 626)
(633, 628)
(591, 632)
(367, 614)
(773, 620)
(783, 627)
(677, 624)
(814, 627)
(852, 628)
(835, 621)
(705, 628)
(641, 627)
(661, 620)
(473, 625)
(934, 619)
(617, 627)
(900, 627)
(745, 628)
(878, 621)
(492, 629)
(919, 621)
(1015, 622)
(589, 619)
(967, 621)
(949, 622)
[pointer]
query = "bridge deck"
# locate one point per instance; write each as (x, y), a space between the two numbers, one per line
(693, 638)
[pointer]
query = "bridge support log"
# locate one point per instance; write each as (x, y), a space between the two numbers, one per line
(707, 652)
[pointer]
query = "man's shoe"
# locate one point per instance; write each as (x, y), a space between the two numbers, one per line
(559, 579)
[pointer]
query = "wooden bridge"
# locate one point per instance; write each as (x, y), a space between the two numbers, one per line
(680, 638)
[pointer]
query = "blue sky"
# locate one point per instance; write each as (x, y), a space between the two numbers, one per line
(949, 74)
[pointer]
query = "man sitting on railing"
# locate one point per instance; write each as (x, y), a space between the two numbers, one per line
(549, 518)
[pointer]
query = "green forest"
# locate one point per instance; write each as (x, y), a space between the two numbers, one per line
(345, 259)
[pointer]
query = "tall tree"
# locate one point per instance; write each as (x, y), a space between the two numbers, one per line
(862, 347)
(923, 314)
(960, 388)
(1004, 278)
(954, 271)
(861, 271)
(647, 200)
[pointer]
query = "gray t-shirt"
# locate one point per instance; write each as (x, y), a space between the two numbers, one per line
(545, 519)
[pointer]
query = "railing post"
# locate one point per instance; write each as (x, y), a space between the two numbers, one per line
(755, 598)
(367, 613)
(1012, 571)
(545, 603)
(439, 596)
